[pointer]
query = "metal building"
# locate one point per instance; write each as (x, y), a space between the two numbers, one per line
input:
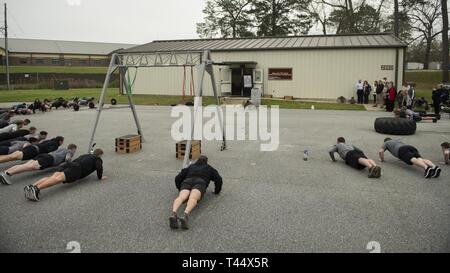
(313, 67)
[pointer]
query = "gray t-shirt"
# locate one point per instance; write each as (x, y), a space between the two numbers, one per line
(16, 146)
(342, 149)
(393, 146)
(59, 156)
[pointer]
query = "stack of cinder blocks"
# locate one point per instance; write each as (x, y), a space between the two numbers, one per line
(128, 144)
(196, 149)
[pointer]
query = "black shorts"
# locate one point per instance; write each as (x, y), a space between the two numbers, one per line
(352, 159)
(29, 152)
(72, 171)
(45, 161)
(4, 150)
(406, 153)
(194, 183)
(417, 118)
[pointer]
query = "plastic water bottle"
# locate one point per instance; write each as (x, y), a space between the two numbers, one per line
(305, 155)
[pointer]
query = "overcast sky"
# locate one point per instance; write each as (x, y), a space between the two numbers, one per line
(124, 21)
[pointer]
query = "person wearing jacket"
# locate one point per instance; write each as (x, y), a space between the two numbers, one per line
(69, 172)
(192, 183)
(391, 97)
(366, 92)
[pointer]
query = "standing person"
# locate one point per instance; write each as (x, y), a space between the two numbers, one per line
(69, 173)
(403, 95)
(360, 91)
(446, 152)
(411, 96)
(366, 92)
(192, 183)
(375, 86)
(379, 92)
(385, 93)
(391, 97)
(436, 97)
(410, 156)
(41, 162)
(354, 157)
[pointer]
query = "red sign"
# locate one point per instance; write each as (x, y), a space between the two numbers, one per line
(280, 74)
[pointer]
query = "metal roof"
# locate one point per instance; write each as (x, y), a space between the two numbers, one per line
(379, 40)
(61, 47)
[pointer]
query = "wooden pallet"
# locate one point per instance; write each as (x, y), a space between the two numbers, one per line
(128, 144)
(196, 149)
(289, 97)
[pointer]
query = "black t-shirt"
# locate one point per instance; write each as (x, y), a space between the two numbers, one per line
(202, 171)
(47, 146)
(90, 163)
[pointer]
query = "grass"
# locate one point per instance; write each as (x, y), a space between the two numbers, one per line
(55, 69)
(425, 81)
(31, 95)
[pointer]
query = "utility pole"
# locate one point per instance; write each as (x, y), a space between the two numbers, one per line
(445, 46)
(7, 49)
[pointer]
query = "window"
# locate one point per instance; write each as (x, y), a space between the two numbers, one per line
(67, 62)
(23, 61)
(39, 61)
(97, 62)
(55, 61)
(83, 62)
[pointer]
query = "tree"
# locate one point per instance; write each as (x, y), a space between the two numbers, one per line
(445, 47)
(226, 18)
(348, 16)
(425, 16)
(281, 17)
(319, 15)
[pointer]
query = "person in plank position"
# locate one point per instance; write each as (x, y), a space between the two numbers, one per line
(68, 173)
(354, 157)
(410, 155)
(192, 183)
(17, 145)
(32, 151)
(41, 162)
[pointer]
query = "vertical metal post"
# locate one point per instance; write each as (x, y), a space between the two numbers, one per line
(210, 70)
(131, 103)
(111, 68)
(198, 94)
(8, 83)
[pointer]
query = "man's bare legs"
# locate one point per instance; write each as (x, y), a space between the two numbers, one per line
(11, 157)
(46, 182)
(29, 166)
(182, 197)
(369, 163)
(194, 197)
(422, 163)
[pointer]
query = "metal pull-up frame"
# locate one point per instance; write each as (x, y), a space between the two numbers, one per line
(123, 61)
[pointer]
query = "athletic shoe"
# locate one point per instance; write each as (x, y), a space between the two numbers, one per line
(26, 191)
(173, 222)
(372, 172)
(429, 172)
(377, 172)
(184, 222)
(33, 193)
(435, 120)
(5, 179)
(437, 172)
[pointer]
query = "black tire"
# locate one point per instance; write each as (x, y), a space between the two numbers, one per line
(113, 101)
(395, 126)
(76, 107)
(91, 105)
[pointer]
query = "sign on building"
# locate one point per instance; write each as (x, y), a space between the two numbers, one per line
(280, 74)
